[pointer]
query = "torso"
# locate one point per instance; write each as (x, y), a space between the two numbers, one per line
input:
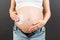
(30, 15)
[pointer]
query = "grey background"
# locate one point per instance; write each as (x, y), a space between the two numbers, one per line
(52, 27)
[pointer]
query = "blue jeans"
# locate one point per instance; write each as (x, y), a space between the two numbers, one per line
(37, 35)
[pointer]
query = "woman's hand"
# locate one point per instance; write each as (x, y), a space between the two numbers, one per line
(37, 26)
(14, 16)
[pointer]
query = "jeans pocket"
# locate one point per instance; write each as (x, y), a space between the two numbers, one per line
(14, 28)
(40, 29)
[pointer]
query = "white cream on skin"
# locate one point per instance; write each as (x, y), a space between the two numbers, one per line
(21, 16)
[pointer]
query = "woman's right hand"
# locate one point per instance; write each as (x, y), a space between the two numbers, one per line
(14, 16)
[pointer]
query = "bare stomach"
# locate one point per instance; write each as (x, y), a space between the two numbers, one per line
(28, 16)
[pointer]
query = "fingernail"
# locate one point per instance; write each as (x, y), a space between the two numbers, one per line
(17, 20)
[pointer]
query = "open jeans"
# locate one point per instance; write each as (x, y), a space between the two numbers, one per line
(37, 35)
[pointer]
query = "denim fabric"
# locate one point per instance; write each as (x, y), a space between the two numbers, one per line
(37, 35)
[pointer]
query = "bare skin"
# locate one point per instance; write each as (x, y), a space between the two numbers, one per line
(30, 11)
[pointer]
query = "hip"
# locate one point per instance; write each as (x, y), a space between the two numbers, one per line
(34, 34)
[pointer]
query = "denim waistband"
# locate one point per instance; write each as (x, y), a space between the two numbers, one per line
(28, 35)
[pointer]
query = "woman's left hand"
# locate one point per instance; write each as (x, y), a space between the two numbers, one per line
(37, 26)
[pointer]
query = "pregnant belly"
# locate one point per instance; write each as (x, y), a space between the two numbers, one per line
(28, 16)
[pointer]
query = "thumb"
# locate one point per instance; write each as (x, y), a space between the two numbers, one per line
(15, 12)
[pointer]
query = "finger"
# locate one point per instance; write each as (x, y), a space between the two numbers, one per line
(31, 30)
(15, 12)
(35, 28)
(35, 24)
(17, 19)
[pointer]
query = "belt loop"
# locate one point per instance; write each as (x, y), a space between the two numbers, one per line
(41, 29)
(15, 27)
